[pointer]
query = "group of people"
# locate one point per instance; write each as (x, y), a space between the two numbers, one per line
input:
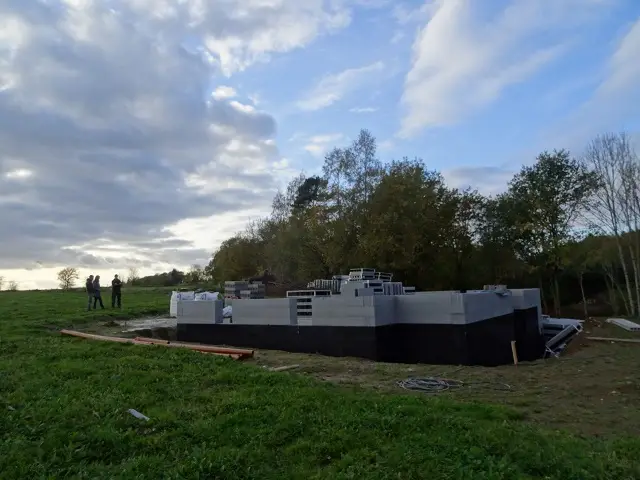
(94, 293)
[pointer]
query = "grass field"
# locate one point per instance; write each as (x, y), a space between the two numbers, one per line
(64, 405)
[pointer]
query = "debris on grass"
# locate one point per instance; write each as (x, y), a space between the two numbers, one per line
(139, 415)
(436, 384)
(607, 339)
(626, 324)
(284, 368)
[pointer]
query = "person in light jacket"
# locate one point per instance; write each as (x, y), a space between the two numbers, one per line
(97, 295)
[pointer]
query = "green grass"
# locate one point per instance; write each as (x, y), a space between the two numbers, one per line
(64, 402)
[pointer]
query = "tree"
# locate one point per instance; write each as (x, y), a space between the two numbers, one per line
(579, 258)
(133, 275)
(309, 193)
(67, 278)
(404, 219)
(410, 215)
(495, 247)
(12, 286)
(615, 206)
(544, 201)
(195, 275)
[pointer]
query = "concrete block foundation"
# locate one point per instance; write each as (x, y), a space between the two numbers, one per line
(471, 328)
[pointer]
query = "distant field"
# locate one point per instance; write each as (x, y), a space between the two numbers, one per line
(64, 408)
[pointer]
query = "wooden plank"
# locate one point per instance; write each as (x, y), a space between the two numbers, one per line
(195, 346)
(236, 355)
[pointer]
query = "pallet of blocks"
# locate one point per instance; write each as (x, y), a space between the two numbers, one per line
(322, 284)
(233, 288)
(253, 291)
(359, 274)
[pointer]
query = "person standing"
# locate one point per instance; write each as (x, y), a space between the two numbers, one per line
(89, 287)
(97, 295)
(116, 292)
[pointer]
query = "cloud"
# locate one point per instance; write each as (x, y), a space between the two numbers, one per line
(318, 145)
(406, 15)
(614, 101)
(463, 60)
(222, 92)
(110, 129)
(238, 33)
(386, 145)
(489, 180)
(364, 110)
(624, 66)
(332, 88)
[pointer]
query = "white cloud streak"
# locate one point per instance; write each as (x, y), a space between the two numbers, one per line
(463, 61)
(333, 88)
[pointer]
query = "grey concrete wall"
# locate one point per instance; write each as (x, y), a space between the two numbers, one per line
(449, 307)
(527, 298)
(385, 309)
(343, 311)
(349, 289)
(523, 298)
(365, 292)
(200, 311)
(268, 311)
(430, 307)
(485, 304)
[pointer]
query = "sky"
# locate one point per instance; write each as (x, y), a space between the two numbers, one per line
(143, 133)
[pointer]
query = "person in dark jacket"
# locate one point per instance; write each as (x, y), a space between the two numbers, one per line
(97, 295)
(116, 292)
(89, 287)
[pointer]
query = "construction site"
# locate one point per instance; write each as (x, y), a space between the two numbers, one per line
(365, 314)
(377, 334)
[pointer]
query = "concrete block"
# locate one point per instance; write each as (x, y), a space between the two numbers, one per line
(200, 312)
(340, 301)
(527, 298)
(270, 311)
(524, 298)
(365, 292)
(335, 311)
(484, 304)
(349, 289)
(385, 310)
(429, 307)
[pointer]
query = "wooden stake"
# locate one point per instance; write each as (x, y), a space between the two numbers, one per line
(514, 352)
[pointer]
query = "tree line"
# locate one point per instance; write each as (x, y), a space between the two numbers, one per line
(69, 276)
(569, 225)
(10, 286)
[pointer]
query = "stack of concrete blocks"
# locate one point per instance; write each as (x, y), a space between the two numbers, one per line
(385, 277)
(200, 311)
(392, 288)
(322, 284)
(360, 274)
(408, 290)
(304, 306)
(357, 288)
(375, 285)
(254, 290)
(272, 311)
(233, 289)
